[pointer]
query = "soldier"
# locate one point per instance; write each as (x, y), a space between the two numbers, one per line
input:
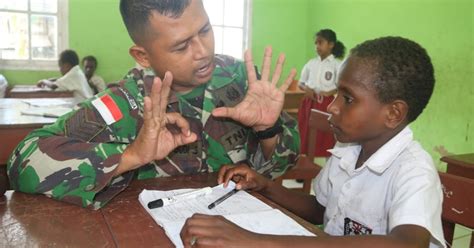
(197, 115)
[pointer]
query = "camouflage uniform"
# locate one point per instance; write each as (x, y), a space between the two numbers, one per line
(74, 159)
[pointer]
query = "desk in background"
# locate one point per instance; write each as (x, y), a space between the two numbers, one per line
(292, 102)
(14, 126)
(35, 220)
(460, 165)
(31, 91)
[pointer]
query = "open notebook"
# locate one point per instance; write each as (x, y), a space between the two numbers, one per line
(242, 208)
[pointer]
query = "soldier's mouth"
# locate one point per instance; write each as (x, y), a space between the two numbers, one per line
(205, 70)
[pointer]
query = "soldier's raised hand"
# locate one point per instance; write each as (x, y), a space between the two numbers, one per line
(155, 141)
(264, 100)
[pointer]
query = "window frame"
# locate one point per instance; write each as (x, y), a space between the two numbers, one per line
(63, 40)
(246, 27)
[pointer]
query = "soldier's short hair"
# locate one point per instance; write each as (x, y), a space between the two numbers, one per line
(136, 14)
(403, 71)
(69, 57)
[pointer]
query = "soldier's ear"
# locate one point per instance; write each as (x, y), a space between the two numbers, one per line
(140, 55)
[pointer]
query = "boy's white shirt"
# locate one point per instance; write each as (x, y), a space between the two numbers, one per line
(98, 82)
(320, 75)
(397, 185)
(75, 80)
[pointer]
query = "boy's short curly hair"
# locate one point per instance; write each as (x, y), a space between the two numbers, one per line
(69, 57)
(403, 71)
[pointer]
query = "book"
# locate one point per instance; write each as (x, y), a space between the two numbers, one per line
(241, 208)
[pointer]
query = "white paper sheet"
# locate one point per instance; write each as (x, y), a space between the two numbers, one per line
(242, 208)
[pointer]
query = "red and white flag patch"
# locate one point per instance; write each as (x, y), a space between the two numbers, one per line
(108, 109)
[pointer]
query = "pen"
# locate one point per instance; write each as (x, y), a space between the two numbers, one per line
(178, 198)
(222, 198)
(41, 115)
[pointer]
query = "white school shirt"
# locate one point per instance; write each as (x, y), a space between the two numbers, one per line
(75, 80)
(397, 185)
(98, 82)
(320, 75)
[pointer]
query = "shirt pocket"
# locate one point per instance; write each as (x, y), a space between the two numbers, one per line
(367, 223)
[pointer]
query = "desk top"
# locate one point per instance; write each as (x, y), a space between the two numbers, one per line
(32, 91)
(461, 160)
(11, 111)
(35, 220)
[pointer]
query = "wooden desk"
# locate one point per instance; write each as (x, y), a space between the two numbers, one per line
(292, 102)
(460, 165)
(35, 220)
(31, 91)
(14, 126)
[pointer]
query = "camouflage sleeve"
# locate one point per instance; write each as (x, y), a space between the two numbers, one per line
(285, 153)
(74, 159)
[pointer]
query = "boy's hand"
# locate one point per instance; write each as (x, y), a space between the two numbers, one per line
(263, 102)
(215, 231)
(244, 177)
(155, 141)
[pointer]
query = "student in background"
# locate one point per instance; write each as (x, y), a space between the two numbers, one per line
(380, 188)
(318, 80)
(3, 86)
(199, 112)
(73, 79)
(89, 64)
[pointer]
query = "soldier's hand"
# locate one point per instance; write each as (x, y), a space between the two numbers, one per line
(264, 100)
(244, 177)
(155, 141)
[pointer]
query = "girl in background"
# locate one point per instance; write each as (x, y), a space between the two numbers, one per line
(318, 80)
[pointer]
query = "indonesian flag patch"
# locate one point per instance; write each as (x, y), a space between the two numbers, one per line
(108, 109)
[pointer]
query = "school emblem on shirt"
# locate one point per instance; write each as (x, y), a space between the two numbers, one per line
(328, 75)
(352, 227)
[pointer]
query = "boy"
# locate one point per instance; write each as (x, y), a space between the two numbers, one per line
(97, 84)
(379, 184)
(201, 115)
(73, 79)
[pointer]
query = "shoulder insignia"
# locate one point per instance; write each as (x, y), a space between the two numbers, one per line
(108, 109)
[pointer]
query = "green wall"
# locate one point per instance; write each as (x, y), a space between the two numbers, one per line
(445, 29)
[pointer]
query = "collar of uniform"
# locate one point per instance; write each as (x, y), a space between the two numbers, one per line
(328, 58)
(379, 161)
(73, 70)
(224, 73)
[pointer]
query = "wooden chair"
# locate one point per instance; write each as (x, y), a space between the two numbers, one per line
(458, 204)
(305, 168)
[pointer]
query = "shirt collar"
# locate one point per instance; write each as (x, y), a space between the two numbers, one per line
(380, 160)
(328, 58)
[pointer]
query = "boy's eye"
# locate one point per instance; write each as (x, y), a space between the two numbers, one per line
(348, 99)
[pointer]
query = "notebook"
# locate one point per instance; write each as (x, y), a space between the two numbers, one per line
(242, 209)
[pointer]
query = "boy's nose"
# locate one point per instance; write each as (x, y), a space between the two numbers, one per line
(332, 108)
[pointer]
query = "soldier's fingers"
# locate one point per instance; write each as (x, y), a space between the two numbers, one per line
(288, 80)
(148, 110)
(267, 63)
(250, 66)
(278, 69)
(178, 120)
(165, 91)
(155, 97)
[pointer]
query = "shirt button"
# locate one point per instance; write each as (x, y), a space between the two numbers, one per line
(89, 187)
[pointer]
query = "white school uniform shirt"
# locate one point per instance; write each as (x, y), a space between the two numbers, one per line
(75, 80)
(98, 82)
(320, 75)
(397, 185)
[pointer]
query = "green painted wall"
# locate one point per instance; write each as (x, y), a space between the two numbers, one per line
(445, 29)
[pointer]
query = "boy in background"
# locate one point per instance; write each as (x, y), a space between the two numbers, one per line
(73, 79)
(96, 82)
(379, 188)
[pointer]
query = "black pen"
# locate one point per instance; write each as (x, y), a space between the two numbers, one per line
(222, 198)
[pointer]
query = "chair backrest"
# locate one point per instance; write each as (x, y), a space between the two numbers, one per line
(305, 168)
(458, 203)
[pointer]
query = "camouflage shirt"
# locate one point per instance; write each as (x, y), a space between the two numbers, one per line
(74, 159)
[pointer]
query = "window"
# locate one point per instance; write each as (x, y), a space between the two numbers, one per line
(33, 33)
(230, 21)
